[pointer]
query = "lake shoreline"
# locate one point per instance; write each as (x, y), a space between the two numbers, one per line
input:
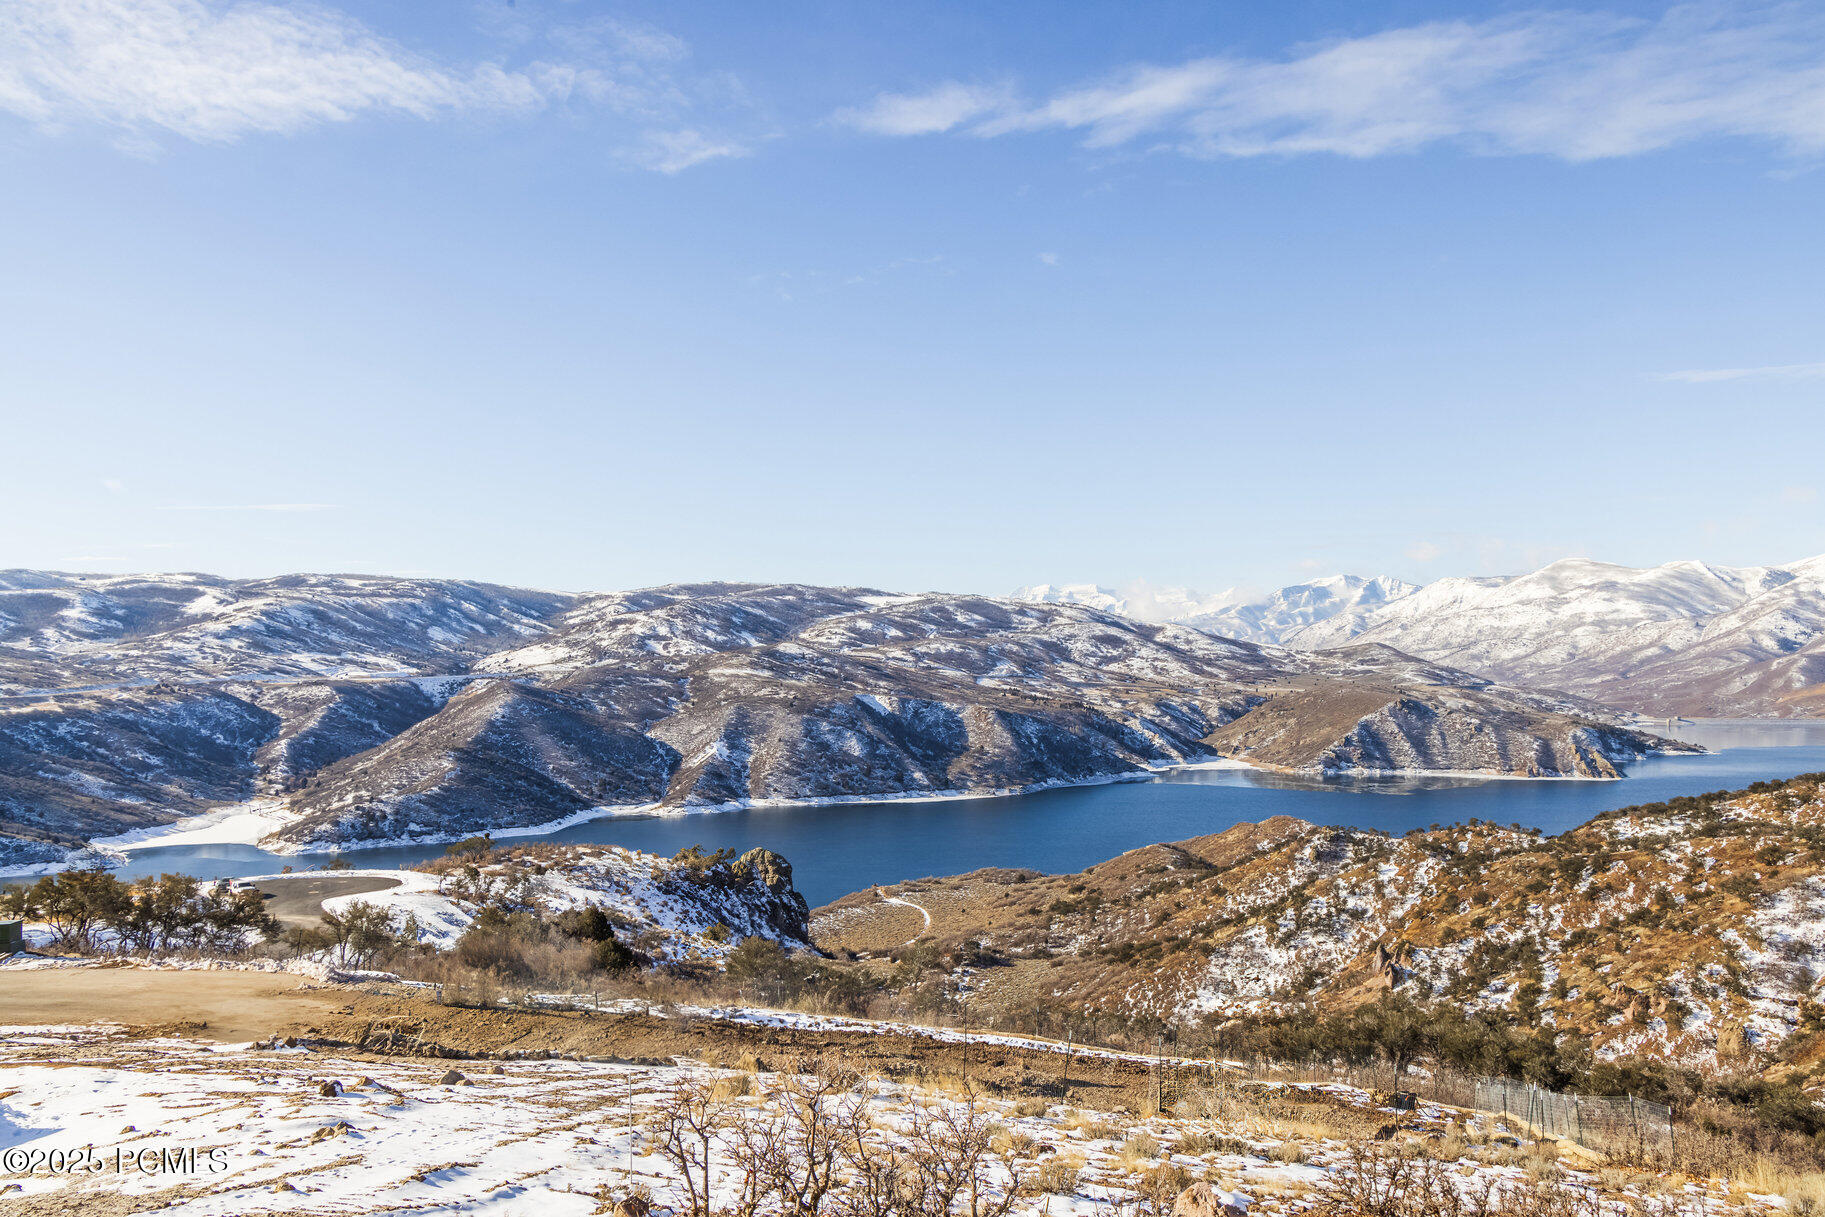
(250, 823)
(841, 847)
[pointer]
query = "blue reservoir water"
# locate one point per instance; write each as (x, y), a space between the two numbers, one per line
(840, 849)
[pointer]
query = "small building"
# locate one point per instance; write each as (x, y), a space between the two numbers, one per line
(12, 937)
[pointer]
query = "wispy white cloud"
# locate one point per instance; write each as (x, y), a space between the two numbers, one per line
(1049, 258)
(943, 108)
(216, 71)
(1423, 551)
(1574, 85)
(675, 151)
(254, 507)
(1783, 371)
(1799, 496)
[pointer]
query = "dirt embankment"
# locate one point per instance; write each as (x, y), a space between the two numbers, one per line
(419, 1026)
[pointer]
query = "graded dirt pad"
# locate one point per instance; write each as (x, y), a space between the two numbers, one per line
(230, 1007)
(298, 899)
(234, 1007)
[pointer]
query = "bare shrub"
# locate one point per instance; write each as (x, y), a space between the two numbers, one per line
(1159, 1186)
(1390, 1184)
(685, 1133)
(814, 1107)
(1057, 1175)
(949, 1160)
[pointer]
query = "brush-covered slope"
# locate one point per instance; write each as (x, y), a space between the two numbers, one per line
(1694, 930)
(690, 908)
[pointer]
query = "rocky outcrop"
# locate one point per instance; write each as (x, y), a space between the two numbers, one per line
(692, 907)
(789, 914)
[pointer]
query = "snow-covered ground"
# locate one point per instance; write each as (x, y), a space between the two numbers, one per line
(229, 1128)
(202, 1130)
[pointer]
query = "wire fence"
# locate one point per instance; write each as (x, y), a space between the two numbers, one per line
(1597, 1122)
(1612, 1124)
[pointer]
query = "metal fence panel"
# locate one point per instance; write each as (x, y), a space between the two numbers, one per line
(1589, 1120)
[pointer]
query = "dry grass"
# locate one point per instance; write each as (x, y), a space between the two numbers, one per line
(1091, 1126)
(1804, 1191)
(1198, 1142)
(734, 1086)
(1058, 1175)
(1139, 1149)
(1159, 1186)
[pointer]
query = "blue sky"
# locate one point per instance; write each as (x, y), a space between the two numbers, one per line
(594, 295)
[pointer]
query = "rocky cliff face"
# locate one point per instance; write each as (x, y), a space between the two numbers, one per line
(535, 707)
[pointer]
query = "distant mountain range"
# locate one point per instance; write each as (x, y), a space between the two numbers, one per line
(1681, 639)
(347, 710)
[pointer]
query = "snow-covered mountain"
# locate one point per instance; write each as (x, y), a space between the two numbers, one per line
(59, 630)
(1090, 595)
(371, 710)
(1270, 618)
(1140, 601)
(1684, 638)
(1342, 602)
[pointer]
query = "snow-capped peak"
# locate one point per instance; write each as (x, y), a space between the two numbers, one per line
(1256, 617)
(1090, 595)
